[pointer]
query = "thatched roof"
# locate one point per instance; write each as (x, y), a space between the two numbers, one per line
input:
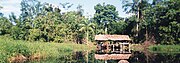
(112, 37)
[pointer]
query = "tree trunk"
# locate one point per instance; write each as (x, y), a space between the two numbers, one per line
(87, 37)
(137, 24)
(137, 29)
(106, 30)
(138, 19)
(146, 33)
(87, 58)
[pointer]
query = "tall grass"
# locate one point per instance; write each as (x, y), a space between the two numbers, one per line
(10, 47)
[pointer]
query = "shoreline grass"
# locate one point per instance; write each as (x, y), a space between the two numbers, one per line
(10, 48)
(157, 48)
(164, 48)
(136, 47)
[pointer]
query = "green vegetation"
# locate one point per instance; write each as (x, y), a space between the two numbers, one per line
(86, 26)
(151, 20)
(106, 17)
(10, 48)
(43, 28)
(156, 20)
(165, 48)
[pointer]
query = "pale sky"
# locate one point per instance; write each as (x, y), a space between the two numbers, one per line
(88, 6)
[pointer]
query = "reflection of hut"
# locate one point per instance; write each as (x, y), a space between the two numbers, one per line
(113, 44)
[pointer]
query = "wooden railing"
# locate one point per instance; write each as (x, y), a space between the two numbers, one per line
(117, 48)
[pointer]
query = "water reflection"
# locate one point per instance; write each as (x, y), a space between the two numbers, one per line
(74, 57)
(141, 57)
(88, 57)
(167, 58)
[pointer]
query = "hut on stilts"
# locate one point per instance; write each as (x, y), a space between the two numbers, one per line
(113, 47)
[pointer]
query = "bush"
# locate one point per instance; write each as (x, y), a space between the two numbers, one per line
(19, 49)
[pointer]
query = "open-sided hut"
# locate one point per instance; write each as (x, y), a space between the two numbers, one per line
(107, 44)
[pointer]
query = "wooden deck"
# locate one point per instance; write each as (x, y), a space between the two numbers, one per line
(112, 56)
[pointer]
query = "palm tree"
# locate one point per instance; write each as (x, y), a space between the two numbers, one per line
(87, 26)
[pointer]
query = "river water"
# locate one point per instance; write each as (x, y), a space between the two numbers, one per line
(136, 57)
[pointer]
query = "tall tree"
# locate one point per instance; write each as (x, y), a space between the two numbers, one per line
(168, 21)
(136, 7)
(161, 20)
(5, 25)
(71, 20)
(46, 26)
(104, 16)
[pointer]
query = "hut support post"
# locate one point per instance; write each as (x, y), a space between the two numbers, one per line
(129, 47)
(121, 47)
(113, 47)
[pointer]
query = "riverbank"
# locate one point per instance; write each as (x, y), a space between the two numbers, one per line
(157, 48)
(164, 48)
(12, 50)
